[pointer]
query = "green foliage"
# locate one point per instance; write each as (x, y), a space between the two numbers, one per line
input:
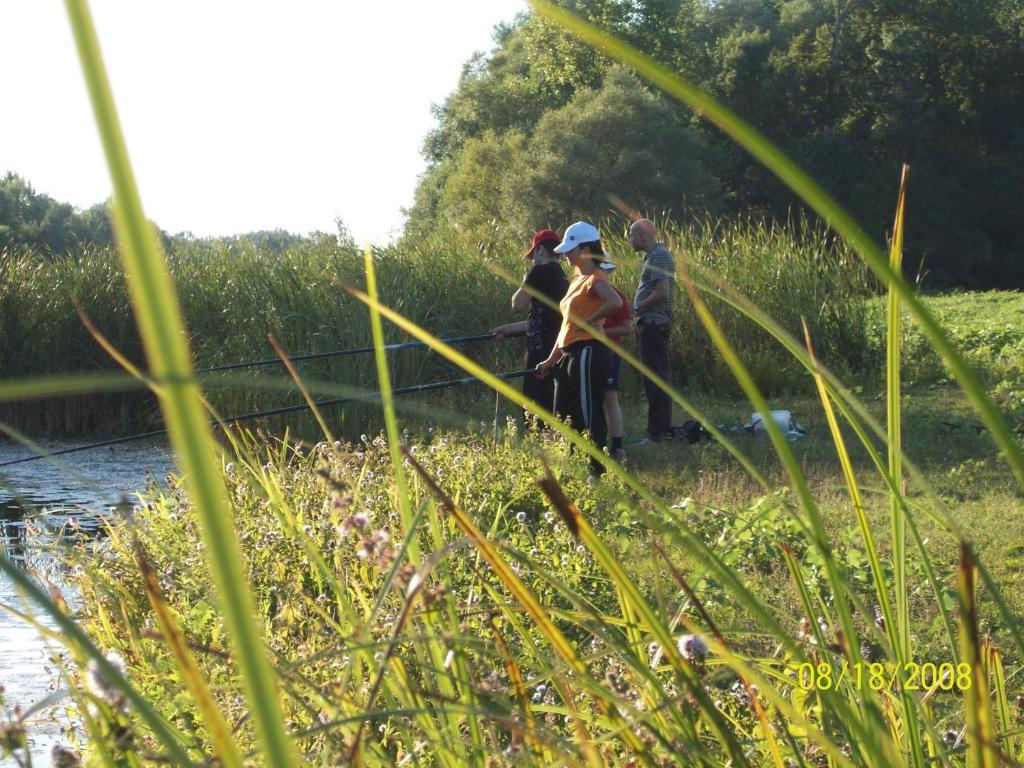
(619, 139)
(233, 294)
(29, 220)
(849, 90)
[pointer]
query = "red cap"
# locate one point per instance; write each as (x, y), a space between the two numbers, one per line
(544, 236)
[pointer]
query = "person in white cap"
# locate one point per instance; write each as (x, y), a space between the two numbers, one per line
(582, 361)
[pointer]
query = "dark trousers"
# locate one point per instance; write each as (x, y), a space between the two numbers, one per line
(541, 391)
(580, 381)
(654, 354)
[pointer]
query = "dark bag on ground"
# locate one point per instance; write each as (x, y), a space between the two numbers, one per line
(692, 432)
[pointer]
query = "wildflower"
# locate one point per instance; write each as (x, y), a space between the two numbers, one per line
(804, 633)
(103, 688)
(356, 522)
(434, 594)
(743, 693)
(64, 757)
(12, 736)
(520, 517)
(692, 648)
(341, 502)
(879, 618)
(950, 738)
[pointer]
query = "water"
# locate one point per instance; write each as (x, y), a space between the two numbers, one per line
(75, 493)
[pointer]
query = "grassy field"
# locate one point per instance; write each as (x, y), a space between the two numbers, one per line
(323, 546)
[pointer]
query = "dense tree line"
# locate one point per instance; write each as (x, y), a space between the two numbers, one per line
(29, 219)
(541, 130)
(33, 221)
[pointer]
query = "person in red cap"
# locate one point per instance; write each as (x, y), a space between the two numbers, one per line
(546, 278)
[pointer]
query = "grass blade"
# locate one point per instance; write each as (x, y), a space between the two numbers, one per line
(164, 337)
(982, 750)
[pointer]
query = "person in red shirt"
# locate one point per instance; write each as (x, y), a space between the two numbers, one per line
(616, 327)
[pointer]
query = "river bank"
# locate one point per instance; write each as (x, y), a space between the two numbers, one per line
(41, 502)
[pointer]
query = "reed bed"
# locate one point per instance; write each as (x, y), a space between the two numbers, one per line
(232, 297)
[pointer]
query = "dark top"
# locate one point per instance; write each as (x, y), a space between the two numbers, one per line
(543, 322)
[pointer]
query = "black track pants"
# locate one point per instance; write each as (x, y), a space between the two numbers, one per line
(654, 354)
(541, 391)
(580, 381)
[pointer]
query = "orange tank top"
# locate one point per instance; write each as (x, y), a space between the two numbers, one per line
(579, 303)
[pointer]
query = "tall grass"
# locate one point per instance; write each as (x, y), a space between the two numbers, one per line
(469, 617)
(232, 297)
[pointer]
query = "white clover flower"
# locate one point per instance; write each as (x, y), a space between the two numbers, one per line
(692, 648)
(521, 517)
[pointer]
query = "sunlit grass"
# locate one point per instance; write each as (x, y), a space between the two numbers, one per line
(459, 614)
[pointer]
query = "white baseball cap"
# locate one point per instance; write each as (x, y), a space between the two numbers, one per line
(577, 234)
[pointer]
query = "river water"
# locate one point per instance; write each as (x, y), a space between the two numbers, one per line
(76, 489)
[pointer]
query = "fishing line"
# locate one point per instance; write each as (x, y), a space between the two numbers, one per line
(344, 352)
(276, 412)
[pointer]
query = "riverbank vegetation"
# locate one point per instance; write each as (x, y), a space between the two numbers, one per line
(232, 296)
(469, 598)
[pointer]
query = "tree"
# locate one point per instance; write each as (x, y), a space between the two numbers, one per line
(620, 140)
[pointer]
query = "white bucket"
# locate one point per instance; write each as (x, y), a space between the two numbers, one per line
(783, 419)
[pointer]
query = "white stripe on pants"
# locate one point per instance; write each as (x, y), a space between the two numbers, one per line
(585, 399)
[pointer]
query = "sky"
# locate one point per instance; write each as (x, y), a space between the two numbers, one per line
(242, 116)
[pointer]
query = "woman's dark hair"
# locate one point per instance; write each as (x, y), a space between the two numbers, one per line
(595, 248)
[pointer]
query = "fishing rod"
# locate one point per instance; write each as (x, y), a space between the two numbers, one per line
(276, 412)
(343, 352)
